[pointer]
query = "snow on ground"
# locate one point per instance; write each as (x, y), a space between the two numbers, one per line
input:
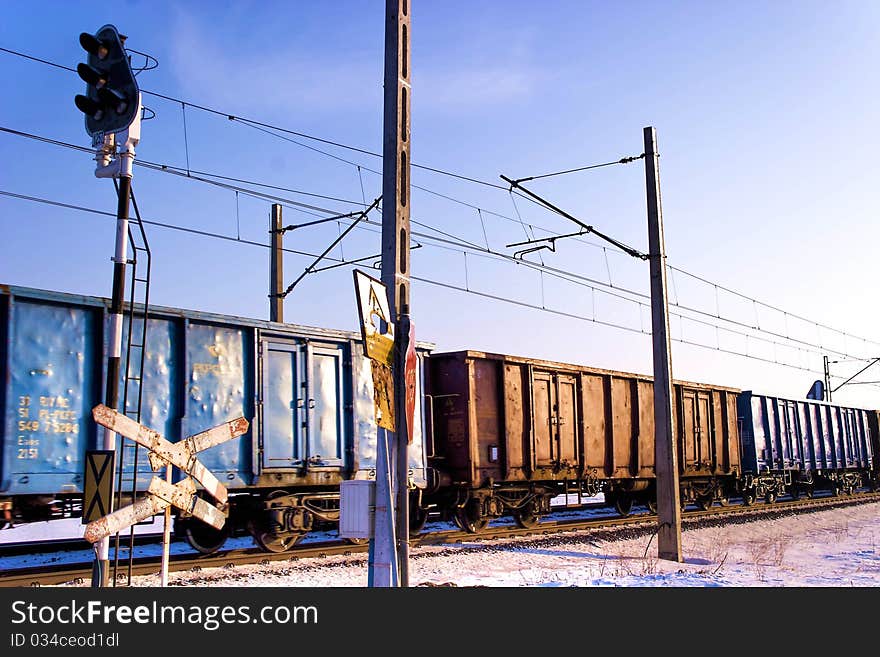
(835, 548)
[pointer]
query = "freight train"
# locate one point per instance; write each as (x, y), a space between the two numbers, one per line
(494, 435)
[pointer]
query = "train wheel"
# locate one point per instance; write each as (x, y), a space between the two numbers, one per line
(835, 489)
(748, 498)
(471, 518)
(770, 497)
(357, 541)
(652, 506)
(418, 517)
(456, 518)
(624, 505)
(704, 503)
(724, 500)
(203, 538)
(795, 492)
(526, 517)
(808, 491)
(272, 540)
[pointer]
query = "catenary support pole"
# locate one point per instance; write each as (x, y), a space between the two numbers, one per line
(101, 566)
(276, 266)
(396, 255)
(665, 452)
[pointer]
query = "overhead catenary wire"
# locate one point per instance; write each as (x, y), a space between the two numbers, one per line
(770, 306)
(590, 229)
(426, 280)
(300, 206)
(422, 279)
(310, 269)
(182, 172)
(304, 208)
(268, 127)
(845, 334)
(253, 122)
(159, 224)
(570, 277)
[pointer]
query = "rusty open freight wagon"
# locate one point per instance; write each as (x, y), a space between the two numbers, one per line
(511, 433)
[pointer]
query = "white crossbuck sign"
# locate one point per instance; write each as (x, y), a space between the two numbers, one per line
(161, 494)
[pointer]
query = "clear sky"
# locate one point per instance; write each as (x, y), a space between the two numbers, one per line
(765, 114)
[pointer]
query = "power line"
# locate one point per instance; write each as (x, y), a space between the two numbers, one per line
(459, 242)
(183, 229)
(255, 123)
(771, 306)
(266, 126)
(602, 322)
(303, 207)
(567, 276)
(181, 172)
(593, 320)
(590, 284)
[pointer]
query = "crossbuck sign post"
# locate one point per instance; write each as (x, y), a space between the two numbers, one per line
(162, 494)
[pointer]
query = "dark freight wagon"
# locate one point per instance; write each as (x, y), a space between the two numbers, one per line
(800, 445)
(510, 433)
(307, 393)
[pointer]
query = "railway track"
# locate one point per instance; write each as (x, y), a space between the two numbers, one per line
(76, 574)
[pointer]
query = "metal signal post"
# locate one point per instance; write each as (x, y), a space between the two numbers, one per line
(112, 106)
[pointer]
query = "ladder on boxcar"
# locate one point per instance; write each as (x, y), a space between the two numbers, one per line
(132, 378)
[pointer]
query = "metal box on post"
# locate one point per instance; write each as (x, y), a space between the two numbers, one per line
(357, 504)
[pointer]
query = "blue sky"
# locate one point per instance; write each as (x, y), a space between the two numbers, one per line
(765, 114)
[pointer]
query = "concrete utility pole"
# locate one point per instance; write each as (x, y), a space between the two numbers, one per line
(276, 266)
(396, 258)
(665, 448)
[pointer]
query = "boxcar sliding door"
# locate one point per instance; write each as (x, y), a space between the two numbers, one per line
(283, 405)
(325, 420)
(555, 417)
(303, 405)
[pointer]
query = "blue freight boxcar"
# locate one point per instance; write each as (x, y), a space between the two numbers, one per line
(307, 393)
(799, 445)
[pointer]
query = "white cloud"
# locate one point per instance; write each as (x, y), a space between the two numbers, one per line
(276, 76)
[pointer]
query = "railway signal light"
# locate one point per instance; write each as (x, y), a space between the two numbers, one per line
(111, 101)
